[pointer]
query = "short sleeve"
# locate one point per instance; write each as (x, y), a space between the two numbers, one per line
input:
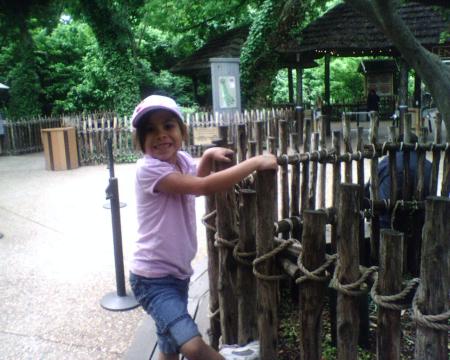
(150, 171)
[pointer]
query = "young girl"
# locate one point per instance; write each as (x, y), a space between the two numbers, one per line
(166, 184)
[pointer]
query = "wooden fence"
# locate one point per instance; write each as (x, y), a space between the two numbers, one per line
(264, 235)
(94, 129)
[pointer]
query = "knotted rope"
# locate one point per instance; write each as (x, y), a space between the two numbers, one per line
(392, 302)
(356, 288)
(206, 217)
(267, 256)
(240, 255)
(429, 321)
(315, 275)
(224, 243)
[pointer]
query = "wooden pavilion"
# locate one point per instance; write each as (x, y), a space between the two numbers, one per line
(339, 32)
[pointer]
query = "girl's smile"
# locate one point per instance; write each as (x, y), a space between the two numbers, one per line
(163, 136)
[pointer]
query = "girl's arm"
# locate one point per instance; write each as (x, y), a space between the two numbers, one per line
(177, 183)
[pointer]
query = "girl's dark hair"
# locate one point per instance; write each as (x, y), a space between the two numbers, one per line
(140, 131)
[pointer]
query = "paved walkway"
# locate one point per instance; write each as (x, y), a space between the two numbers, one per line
(57, 262)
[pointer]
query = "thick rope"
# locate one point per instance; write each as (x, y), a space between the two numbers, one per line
(212, 314)
(221, 242)
(356, 288)
(315, 275)
(429, 321)
(206, 217)
(267, 256)
(392, 301)
(240, 255)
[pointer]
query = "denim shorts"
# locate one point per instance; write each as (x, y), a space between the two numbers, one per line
(165, 299)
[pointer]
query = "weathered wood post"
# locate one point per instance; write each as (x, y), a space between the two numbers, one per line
(313, 173)
(347, 147)
(407, 181)
(421, 156)
(432, 294)
(225, 240)
(300, 117)
(242, 142)
(266, 305)
(213, 274)
(312, 293)
(348, 271)
(445, 188)
(336, 140)
(323, 165)
(436, 155)
(259, 137)
(294, 206)
(305, 168)
(374, 194)
(246, 282)
(283, 131)
(389, 283)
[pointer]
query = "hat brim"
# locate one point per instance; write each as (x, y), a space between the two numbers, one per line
(139, 117)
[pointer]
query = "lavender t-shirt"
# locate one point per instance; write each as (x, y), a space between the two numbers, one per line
(166, 242)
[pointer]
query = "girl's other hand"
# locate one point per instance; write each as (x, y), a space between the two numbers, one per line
(220, 154)
(267, 162)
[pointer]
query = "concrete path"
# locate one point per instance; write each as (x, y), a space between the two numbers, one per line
(57, 262)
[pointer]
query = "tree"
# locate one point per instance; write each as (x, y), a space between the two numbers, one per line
(17, 18)
(433, 72)
(109, 21)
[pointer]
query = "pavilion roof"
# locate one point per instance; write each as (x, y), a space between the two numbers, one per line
(342, 31)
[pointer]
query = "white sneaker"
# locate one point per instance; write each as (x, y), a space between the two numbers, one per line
(236, 352)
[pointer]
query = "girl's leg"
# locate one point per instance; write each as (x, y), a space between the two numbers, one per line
(197, 349)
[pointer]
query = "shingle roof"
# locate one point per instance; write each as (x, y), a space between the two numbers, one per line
(343, 31)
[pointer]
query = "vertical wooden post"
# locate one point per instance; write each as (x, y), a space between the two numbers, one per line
(407, 181)
(226, 221)
(421, 155)
(295, 182)
(242, 143)
(259, 137)
(432, 296)
(300, 116)
(284, 169)
(336, 140)
(436, 155)
(347, 146)
(393, 167)
(312, 293)
(246, 282)
(313, 174)
(364, 253)
(374, 194)
(348, 250)
(213, 276)
(445, 187)
(305, 168)
(323, 165)
(266, 290)
(389, 283)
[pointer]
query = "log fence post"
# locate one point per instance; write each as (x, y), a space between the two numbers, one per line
(266, 305)
(312, 293)
(390, 275)
(374, 194)
(305, 168)
(246, 282)
(348, 271)
(436, 155)
(432, 295)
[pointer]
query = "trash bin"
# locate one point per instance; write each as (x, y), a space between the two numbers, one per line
(60, 148)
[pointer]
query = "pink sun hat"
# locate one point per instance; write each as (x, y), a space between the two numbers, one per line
(154, 102)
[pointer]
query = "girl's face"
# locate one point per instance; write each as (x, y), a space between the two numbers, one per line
(163, 136)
